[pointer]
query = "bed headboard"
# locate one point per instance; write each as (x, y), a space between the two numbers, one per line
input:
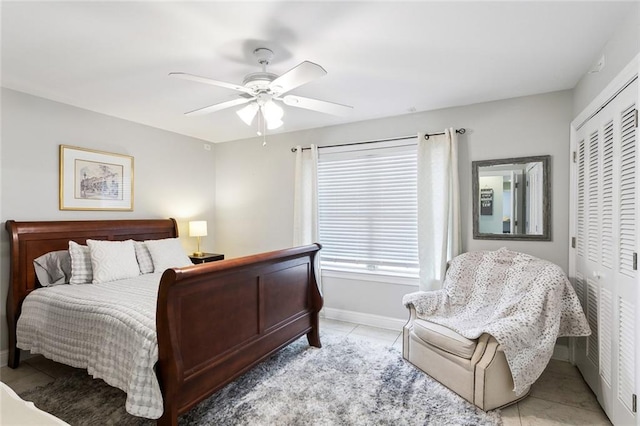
(29, 240)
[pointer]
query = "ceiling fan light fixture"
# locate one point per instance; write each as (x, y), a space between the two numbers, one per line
(272, 111)
(248, 113)
(274, 124)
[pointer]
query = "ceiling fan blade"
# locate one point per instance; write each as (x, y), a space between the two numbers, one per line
(317, 105)
(220, 106)
(210, 81)
(297, 76)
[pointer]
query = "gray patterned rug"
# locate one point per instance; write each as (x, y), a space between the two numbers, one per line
(347, 382)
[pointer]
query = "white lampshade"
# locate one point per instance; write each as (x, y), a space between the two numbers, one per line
(198, 228)
(274, 124)
(248, 113)
(272, 112)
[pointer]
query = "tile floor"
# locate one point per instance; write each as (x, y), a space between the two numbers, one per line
(559, 397)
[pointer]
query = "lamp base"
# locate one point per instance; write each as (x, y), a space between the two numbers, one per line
(198, 254)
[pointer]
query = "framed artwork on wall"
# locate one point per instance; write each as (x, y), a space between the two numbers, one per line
(95, 180)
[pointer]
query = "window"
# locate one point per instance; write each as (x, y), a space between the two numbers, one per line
(367, 207)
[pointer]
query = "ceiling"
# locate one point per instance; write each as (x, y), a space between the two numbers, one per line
(383, 58)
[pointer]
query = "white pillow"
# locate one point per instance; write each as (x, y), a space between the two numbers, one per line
(113, 260)
(144, 257)
(81, 270)
(167, 253)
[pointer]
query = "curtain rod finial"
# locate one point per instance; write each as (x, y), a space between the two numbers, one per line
(460, 131)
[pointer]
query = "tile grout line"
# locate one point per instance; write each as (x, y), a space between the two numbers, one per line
(519, 415)
(39, 370)
(397, 338)
(565, 404)
(353, 329)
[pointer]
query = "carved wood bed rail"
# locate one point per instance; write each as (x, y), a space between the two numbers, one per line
(214, 321)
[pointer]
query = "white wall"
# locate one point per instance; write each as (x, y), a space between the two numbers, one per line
(254, 184)
(621, 48)
(173, 175)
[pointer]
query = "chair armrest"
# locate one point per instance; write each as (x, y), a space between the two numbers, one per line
(492, 347)
(494, 382)
(412, 314)
(424, 302)
(484, 343)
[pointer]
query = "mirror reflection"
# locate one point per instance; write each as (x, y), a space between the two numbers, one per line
(511, 198)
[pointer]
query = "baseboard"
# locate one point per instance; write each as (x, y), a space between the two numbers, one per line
(363, 318)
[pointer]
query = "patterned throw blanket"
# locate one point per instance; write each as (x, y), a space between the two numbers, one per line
(524, 302)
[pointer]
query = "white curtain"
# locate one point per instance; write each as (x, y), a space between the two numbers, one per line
(438, 207)
(305, 203)
(305, 208)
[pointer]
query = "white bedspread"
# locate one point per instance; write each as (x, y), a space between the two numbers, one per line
(524, 302)
(108, 328)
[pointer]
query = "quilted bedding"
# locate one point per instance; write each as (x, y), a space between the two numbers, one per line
(524, 302)
(108, 328)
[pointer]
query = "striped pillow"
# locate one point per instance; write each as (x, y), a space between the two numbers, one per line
(81, 270)
(145, 263)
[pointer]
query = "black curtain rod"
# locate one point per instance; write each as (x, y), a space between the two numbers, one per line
(461, 131)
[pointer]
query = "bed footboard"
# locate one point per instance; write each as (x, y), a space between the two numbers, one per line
(217, 320)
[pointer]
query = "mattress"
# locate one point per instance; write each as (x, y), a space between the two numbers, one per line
(108, 329)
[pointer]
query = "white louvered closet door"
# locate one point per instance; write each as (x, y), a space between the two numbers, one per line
(605, 276)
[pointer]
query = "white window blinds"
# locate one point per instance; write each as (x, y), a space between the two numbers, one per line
(367, 209)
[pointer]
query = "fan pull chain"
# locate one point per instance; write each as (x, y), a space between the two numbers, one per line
(262, 130)
(259, 123)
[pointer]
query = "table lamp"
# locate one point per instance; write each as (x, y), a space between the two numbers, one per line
(198, 228)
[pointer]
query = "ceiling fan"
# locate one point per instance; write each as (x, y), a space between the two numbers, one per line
(261, 90)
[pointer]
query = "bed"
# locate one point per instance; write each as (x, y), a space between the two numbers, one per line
(213, 321)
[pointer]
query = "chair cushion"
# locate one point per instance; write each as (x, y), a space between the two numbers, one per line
(444, 338)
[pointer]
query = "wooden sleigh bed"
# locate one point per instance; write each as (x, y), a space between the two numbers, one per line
(214, 321)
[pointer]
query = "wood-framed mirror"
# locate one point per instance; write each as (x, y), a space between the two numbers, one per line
(512, 199)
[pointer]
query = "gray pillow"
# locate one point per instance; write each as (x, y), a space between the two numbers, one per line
(53, 268)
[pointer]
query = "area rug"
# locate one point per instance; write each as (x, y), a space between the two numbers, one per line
(348, 381)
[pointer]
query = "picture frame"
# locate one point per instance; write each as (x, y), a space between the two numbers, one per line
(95, 180)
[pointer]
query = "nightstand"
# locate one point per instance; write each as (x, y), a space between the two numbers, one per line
(206, 257)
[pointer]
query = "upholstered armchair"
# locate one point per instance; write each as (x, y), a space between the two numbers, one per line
(490, 331)
(475, 369)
